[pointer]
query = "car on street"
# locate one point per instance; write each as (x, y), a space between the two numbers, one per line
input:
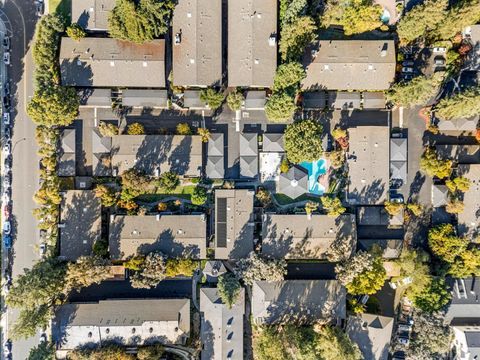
(407, 63)
(6, 118)
(6, 211)
(7, 241)
(7, 227)
(6, 43)
(7, 147)
(7, 133)
(7, 163)
(439, 49)
(7, 180)
(7, 102)
(404, 340)
(439, 61)
(6, 89)
(43, 249)
(407, 69)
(7, 346)
(39, 8)
(6, 58)
(7, 194)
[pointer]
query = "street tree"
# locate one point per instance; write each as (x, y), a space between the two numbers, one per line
(303, 141)
(255, 268)
(310, 207)
(204, 133)
(228, 289)
(43, 351)
(184, 129)
(280, 107)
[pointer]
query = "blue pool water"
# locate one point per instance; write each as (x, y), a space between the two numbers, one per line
(385, 17)
(315, 169)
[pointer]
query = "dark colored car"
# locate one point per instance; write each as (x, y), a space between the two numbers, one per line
(7, 241)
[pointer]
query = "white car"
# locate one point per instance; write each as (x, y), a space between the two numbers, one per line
(43, 249)
(6, 118)
(439, 49)
(6, 227)
(6, 58)
(407, 69)
(7, 148)
(6, 43)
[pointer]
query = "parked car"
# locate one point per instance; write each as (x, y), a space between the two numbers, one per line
(7, 348)
(6, 211)
(7, 228)
(6, 43)
(7, 194)
(7, 147)
(7, 133)
(407, 63)
(439, 61)
(439, 49)
(7, 180)
(404, 340)
(7, 163)
(6, 118)
(6, 89)
(43, 249)
(43, 338)
(407, 69)
(404, 327)
(7, 102)
(6, 58)
(398, 355)
(39, 8)
(7, 241)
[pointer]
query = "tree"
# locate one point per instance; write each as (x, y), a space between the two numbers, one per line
(162, 206)
(100, 248)
(136, 129)
(228, 289)
(284, 166)
(363, 273)
(106, 352)
(140, 22)
(433, 297)
(421, 19)
(255, 268)
(303, 141)
(416, 91)
(414, 264)
(466, 264)
(204, 133)
(333, 206)
(199, 196)
(169, 181)
(152, 271)
(393, 208)
(293, 10)
(264, 197)
(445, 244)
(76, 32)
(29, 321)
(235, 100)
(184, 129)
(455, 206)
(269, 344)
(459, 183)
(134, 183)
(295, 37)
(150, 352)
(184, 267)
(356, 16)
(107, 129)
(310, 207)
(333, 344)
(212, 98)
(431, 338)
(43, 351)
(415, 208)
(86, 271)
(107, 195)
(462, 105)
(433, 166)
(280, 107)
(339, 133)
(288, 76)
(460, 15)
(135, 263)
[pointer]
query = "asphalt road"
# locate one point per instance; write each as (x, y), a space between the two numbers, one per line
(22, 19)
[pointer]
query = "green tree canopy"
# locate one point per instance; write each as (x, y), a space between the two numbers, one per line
(431, 337)
(288, 76)
(445, 244)
(416, 91)
(333, 205)
(136, 129)
(295, 36)
(460, 15)
(140, 21)
(459, 183)
(303, 141)
(212, 98)
(76, 32)
(431, 164)
(235, 100)
(280, 107)
(199, 195)
(169, 181)
(434, 297)
(228, 289)
(462, 105)
(43, 351)
(333, 344)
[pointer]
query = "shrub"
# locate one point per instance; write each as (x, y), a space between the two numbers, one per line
(169, 181)
(199, 196)
(288, 76)
(184, 129)
(212, 98)
(184, 267)
(235, 100)
(107, 129)
(76, 32)
(136, 129)
(204, 134)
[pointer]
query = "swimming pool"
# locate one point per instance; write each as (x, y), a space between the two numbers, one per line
(315, 169)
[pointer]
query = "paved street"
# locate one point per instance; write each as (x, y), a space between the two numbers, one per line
(22, 19)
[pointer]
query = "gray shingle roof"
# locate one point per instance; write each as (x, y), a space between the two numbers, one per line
(350, 65)
(255, 100)
(248, 166)
(314, 100)
(95, 97)
(464, 305)
(252, 55)
(398, 149)
(305, 300)
(469, 219)
(80, 214)
(92, 14)
(392, 248)
(197, 58)
(79, 324)
(105, 62)
(273, 142)
(461, 154)
(248, 155)
(214, 268)
(174, 235)
(373, 100)
(215, 168)
(293, 183)
(145, 98)
(66, 161)
(303, 237)
(473, 57)
(439, 195)
(458, 124)
(344, 100)
(100, 144)
(191, 100)
(216, 145)
(398, 170)
(221, 327)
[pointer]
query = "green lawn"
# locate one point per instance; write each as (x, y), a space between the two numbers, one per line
(62, 7)
(285, 200)
(183, 192)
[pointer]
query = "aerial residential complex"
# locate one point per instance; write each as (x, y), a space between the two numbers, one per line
(240, 179)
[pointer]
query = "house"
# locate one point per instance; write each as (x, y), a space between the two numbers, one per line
(439, 195)
(373, 100)
(313, 100)
(377, 216)
(248, 155)
(398, 160)
(197, 43)
(192, 100)
(344, 100)
(221, 327)
(472, 35)
(92, 14)
(155, 154)
(80, 223)
(466, 341)
(145, 98)
(66, 161)
(349, 65)
(177, 236)
(252, 39)
(294, 182)
(215, 168)
(469, 218)
(213, 269)
(460, 154)
(304, 301)
(120, 321)
(306, 237)
(368, 165)
(372, 334)
(392, 248)
(101, 154)
(458, 125)
(255, 100)
(233, 223)
(107, 62)
(273, 142)
(96, 98)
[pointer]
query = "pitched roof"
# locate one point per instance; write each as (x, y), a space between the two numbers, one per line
(100, 144)
(255, 100)
(197, 43)
(372, 215)
(439, 195)
(314, 100)
(68, 140)
(398, 170)
(214, 168)
(368, 164)
(464, 305)
(252, 39)
(350, 65)
(392, 248)
(273, 142)
(80, 216)
(293, 183)
(66, 161)
(303, 300)
(79, 324)
(344, 100)
(303, 237)
(372, 334)
(248, 155)
(373, 100)
(473, 57)
(106, 62)
(458, 124)
(398, 149)
(214, 268)
(469, 219)
(216, 145)
(191, 100)
(221, 326)
(248, 166)
(173, 235)
(92, 14)
(460, 154)
(150, 153)
(101, 164)
(95, 97)
(145, 98)
(233, 223)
